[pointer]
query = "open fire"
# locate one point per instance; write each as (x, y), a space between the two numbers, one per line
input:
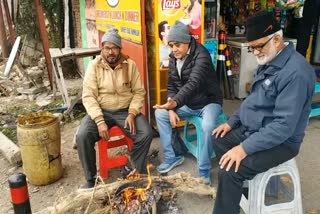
(135, 198)
(132, 194)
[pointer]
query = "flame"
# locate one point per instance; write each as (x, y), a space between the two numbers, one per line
(134, 176)
(132, 194)
(149, 176)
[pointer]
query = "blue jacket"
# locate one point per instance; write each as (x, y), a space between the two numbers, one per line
(277, 109)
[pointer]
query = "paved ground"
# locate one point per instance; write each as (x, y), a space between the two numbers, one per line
(308, 162)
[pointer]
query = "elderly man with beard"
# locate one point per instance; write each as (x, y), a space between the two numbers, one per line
(269, 126)
(113, 94)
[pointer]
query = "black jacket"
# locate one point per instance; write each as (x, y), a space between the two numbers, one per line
(198, 85)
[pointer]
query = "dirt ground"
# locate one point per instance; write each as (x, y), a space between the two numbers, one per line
(44, 196)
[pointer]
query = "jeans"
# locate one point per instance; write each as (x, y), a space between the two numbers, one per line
(209, 113)
(88, 135)
(230, 183)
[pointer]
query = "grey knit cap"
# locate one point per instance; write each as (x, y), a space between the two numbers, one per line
(179, 32)
(112, 36)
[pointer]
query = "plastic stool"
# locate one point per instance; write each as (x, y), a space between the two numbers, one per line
(117, 138)
(315, 107)
(189, 138)
(257, 188)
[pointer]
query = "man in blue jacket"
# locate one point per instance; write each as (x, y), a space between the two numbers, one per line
(193, 89)
(269, 126)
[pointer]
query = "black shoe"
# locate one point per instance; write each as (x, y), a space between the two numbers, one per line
(87, 186)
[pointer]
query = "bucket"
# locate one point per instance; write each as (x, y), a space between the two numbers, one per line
(39, 140)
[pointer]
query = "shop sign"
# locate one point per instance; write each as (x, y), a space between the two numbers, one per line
(121, 15)
(189, 12)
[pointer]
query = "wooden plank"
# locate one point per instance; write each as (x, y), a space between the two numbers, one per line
(54, 80)
(83, 52)
(57, 81)
(44, 37)
(74, 102)
(63, 54)
(10, 150)
(55, 52)
(63, 84)
(87, 51)
(12, 57)
(66, 52)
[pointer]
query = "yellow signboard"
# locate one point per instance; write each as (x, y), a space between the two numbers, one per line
(124, 15)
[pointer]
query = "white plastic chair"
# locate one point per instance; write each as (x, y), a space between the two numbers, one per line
(255, 204)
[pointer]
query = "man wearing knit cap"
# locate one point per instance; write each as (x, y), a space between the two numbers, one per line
(268, 128)
(193, 90)
(113, 95)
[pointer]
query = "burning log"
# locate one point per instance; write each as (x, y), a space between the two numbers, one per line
(136, 199)
(104, 196)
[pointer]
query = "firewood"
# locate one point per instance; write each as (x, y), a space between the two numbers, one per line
(77, 202)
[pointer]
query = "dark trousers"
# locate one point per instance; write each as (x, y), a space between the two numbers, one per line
(310, 13)
(230, 183)
(88, 135)
(300, 28)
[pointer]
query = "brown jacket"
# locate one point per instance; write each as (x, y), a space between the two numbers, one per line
(107, 89)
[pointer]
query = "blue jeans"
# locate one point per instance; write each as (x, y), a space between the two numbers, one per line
(209, 113)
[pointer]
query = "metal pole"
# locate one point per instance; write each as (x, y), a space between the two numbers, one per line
(3, 36)
(44, 37)
(19, 193)
(9, 20)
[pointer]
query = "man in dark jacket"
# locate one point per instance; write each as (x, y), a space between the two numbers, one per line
(193, 89)
(268, 128)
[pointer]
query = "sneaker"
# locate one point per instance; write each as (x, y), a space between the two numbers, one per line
(206, 180)
(166, 167)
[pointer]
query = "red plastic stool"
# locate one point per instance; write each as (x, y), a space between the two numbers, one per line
(117, 138)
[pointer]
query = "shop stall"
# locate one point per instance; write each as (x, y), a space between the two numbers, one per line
(144, 26)
(234, 14)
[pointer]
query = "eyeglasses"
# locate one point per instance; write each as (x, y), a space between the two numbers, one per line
(258, 47)
(176, 44)
(112, 49)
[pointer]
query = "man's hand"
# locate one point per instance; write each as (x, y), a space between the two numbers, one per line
(234, 155)
(221, 130)
(174, 118)
(130, 122)
(169, 105)
(103, 131)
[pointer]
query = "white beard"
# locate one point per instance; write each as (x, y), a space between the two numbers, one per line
(267, 57)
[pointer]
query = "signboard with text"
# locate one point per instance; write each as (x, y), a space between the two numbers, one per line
(120, 14)
(189, 12)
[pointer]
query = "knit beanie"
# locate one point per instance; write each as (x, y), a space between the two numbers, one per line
(112, 36)
(260, 25)
(179, 32)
